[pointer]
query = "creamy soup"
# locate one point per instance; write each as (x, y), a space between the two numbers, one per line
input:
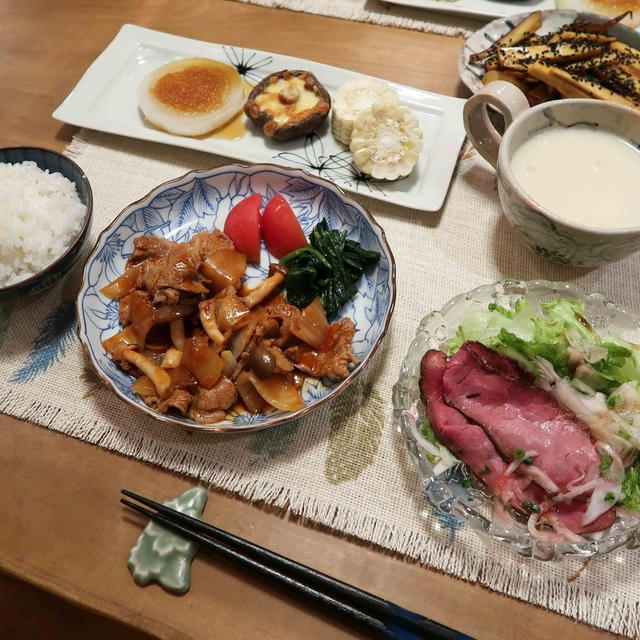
(581, 174)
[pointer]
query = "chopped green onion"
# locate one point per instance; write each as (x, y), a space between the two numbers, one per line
(534, 508)
(428, 432)
(605, 462)
(518, 453)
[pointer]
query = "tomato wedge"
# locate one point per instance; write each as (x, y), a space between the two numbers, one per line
(243, 227)
(281, 231)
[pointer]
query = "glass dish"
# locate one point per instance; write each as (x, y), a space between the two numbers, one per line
(455, 490)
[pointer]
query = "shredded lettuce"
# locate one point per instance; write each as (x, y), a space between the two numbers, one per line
(428, 432)
(629, 495)
(558, 332)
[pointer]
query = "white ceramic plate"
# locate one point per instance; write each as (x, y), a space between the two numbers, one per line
(471, 74)
(105, 99)
(478, 8)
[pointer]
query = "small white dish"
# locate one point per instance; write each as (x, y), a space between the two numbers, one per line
(477, 8)
(105, 99)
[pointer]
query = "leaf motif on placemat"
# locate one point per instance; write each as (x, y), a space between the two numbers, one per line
(53, 339)
(274, 442)
(6, 309)
(356, 427)
(91, 381)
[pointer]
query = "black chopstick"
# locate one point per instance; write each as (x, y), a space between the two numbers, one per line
(382, 617)
(353, 614)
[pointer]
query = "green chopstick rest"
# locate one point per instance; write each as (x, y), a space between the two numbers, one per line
(165, 557)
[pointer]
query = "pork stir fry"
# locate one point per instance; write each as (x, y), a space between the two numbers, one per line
(201, 344)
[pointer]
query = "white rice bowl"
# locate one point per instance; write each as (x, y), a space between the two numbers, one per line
(41, 215)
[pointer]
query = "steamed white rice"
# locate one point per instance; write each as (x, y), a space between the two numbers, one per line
(40, 215)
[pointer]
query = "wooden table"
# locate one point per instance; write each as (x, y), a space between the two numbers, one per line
(64, 537)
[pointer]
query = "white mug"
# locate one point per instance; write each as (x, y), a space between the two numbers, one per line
(548, 234)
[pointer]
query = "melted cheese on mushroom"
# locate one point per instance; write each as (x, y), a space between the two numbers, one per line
(287, 100)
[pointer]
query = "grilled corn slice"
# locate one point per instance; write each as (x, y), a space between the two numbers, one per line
(386, 141)
(351, 99)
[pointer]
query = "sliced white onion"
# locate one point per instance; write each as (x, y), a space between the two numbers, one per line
(597, 504)
(603, 423)
(581, 489)
(586, 350)
(566, 535)
(516, 463)
(538, 534)
(441, 454)
(615, 472)
(541, 478)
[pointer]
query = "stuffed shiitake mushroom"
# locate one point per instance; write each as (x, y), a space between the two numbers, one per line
(288, 104)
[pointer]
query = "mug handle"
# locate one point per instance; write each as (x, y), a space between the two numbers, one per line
(508, 100)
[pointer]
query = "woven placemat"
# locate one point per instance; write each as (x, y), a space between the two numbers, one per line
(383, 13)
(344, 466)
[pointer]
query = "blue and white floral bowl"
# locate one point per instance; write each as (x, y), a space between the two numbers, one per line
(200, 200)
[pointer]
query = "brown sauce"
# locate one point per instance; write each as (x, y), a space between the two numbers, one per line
(235, 128)
(198, 88)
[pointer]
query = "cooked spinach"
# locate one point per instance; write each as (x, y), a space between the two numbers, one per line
(329, 267)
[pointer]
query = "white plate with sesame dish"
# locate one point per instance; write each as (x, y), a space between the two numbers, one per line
(477, 8)
(472, 73)
(105, 99)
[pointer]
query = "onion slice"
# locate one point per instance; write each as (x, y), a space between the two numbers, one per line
(598, 503)
(278, 391)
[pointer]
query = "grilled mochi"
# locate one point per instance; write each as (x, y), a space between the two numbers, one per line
(192, 96)
(288, 104)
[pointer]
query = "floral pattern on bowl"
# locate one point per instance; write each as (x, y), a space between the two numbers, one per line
(200, 200)
(455, 491)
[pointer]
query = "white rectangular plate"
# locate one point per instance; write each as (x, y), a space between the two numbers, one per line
(105, 99)
(479, 8)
